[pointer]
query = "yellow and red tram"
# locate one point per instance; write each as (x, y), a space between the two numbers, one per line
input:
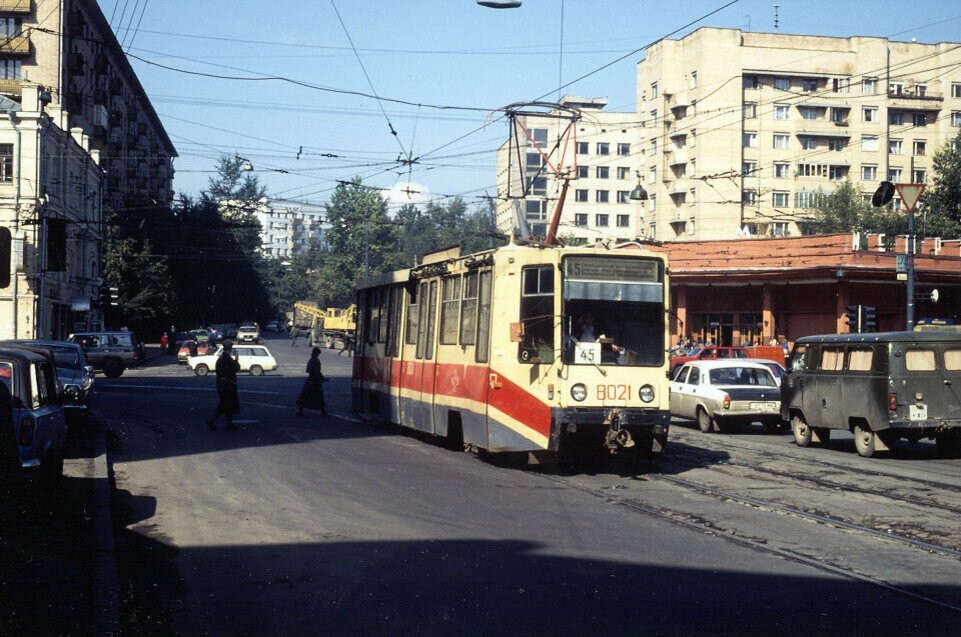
(520, 349)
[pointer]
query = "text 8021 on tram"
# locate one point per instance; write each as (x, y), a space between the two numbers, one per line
(520, 349)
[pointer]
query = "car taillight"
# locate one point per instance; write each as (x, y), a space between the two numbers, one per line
(726, 403)
(27, 430)
(893, 403)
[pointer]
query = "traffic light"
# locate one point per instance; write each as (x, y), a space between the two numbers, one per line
(109, 296)
(869, 319)
(854, 318)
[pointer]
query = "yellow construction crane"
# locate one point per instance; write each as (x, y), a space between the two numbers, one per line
(326, 327)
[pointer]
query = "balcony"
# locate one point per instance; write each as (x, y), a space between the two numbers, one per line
(909, 100)
(15, 6)
(18, 45)
(10, 87)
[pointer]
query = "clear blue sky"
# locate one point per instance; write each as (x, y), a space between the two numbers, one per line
(440, 67)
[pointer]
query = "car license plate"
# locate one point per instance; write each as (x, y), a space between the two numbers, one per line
(764, 406)
(918, 412)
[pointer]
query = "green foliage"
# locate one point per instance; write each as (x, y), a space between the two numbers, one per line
(941, 209)
(844, 211)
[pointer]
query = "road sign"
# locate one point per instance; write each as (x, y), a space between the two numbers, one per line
(910, 194)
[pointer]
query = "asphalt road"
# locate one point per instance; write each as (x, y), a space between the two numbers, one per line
(337, 526)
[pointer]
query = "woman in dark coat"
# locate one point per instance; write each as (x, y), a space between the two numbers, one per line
(226, 368)
(312, 393)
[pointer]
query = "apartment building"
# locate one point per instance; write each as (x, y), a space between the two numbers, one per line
(596, 155)
(742, 133)
(289, 228)
(77, 135)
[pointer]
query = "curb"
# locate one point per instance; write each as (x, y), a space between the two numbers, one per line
(106, 597)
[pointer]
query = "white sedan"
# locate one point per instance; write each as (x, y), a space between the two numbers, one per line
(721, 393)
(254, 359)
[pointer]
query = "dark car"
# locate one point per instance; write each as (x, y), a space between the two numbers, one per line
(112, 352)
(74, 373)
(29, 385)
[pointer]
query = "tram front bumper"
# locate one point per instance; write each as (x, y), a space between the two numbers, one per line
(591, 425)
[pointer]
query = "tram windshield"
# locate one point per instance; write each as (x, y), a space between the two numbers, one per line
(613, 311)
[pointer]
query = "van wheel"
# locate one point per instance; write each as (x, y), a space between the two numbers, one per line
(256, 370)
(864, 440)
(802, 432)
(948, 443)
(112, 369)
(704, 422)
(201, 370)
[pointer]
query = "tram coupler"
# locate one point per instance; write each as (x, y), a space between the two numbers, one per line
(616, 438)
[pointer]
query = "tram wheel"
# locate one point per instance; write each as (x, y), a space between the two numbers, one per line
(802, 431)
(704, 421)
(864, 440)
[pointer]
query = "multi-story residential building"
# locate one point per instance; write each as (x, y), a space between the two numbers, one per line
(79, 136)
(289, 228)
(746, 131)
(597, 157)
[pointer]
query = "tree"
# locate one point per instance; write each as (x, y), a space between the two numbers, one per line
(844, 210)
(941, 212)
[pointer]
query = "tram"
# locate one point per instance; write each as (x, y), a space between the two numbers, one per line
(497, 350)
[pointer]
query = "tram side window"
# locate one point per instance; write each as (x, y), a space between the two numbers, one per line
(482, 351)
(537, 315)
(383, 293)
(373, 322)
(450, 310)
(431, 319)
(413, 316)
(421, 338)
(393, 339)
(468, 310)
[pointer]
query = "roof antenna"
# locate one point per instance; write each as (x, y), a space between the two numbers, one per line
(776, 23)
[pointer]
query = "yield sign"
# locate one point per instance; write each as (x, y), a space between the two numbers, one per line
(910, 194)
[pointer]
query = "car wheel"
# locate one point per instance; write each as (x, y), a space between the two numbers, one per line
(329, 342)
(864, 440)
(112, 369)
(256, 370)
(201, 369)
(704, 421)
(801, 430)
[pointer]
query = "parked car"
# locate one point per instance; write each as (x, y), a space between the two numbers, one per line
(776, 368)
(74, 373)
(192, 348)
(111, 352)
(707, 352)
(200, 334)
(879, 386)
(230, 330)
(272, 326)
(254, 359)
(28, 383)
(721, 394)
(248, 334)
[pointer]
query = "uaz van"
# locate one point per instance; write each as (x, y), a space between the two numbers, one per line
(880, 387)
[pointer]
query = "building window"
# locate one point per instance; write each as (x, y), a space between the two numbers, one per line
(837, 144)
(623, 221)
(652, 202)
(623, 172)
(539, 137)
(869, 172)
(956, 119)
(920, 147)
(749, 168)
(580, 219)
(749, 110)
(869, 85)
(603, 148)
(782, 140)
(808, 199)
(782, 83)
(809, 86)
(920, 119)
(6, 162)
(838, 173)
(920, 90)
(603, 172)
(580, 195)
(749, 140)
(781, 199)
(895, 118)
(779, 228)
(809, 143)
(623, 149)
(535, 209)
(920, 175)
(653, 147)
(749, 82)
(809, 112)
(583, 172)
(894, 146)
(583, 148)
(894, 175)
(10, 69)
(869, 114)
(841, 85)
(895, 87)
(652, 175)
(654, 117)
(537, 186)
(782, 111)
(782, 170)
(955, 89)
(653, 90)
(602, 221)
(869, 143)
(534, 161)
(749, 197)
(602, 196)
(623, 196)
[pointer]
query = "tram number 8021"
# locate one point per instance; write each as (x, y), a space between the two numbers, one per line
(613, 392)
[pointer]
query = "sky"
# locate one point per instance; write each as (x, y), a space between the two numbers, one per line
(405, 94)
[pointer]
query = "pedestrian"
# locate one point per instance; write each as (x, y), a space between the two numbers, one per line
(163, 342)
(293, 336)
(312, 393)
(226, 368)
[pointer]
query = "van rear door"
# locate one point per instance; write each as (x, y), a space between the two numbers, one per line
(932, 382)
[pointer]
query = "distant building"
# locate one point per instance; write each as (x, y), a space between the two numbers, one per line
(289, 228)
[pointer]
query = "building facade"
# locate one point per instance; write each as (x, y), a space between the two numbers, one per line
(288, 228)
(597, 158)
(744, 132)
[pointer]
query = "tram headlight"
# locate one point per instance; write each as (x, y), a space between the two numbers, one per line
(579, 392)
(646, 394)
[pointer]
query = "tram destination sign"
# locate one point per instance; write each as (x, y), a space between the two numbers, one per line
(612, 269)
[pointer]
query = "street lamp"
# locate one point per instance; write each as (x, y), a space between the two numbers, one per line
(499, 4)
(638, 194)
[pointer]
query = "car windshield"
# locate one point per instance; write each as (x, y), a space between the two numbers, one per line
(732, 376)
(66, 358)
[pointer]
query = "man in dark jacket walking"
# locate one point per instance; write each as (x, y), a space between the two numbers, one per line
(312, 393)
(226, 368)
